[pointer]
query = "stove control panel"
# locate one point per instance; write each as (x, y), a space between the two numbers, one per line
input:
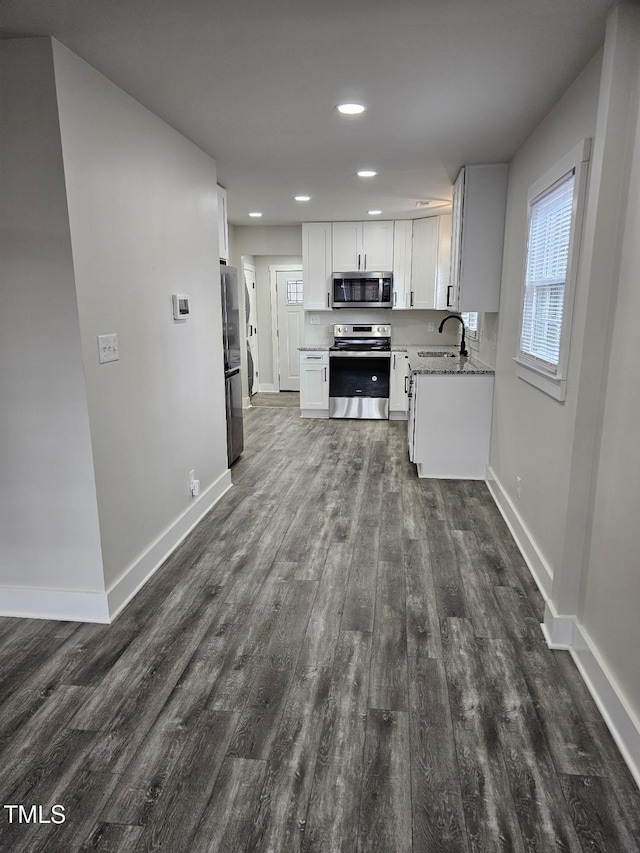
(361, 331)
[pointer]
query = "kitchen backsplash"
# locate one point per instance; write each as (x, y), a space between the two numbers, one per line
(407, 327)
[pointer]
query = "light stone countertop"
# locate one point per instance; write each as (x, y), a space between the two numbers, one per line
(314, 348)
(446, 365)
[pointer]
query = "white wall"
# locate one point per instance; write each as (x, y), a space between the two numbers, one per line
(611, 594)
(49, 536)
(577, 517)
(531, 432)
(266, 240)
(143, 214)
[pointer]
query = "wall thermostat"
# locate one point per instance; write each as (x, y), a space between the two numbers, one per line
(181, 306)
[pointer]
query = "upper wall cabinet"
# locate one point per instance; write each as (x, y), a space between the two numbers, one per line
(430, 261)
(421, 261)
(316, 266)
(402, 256)
(362, 246)
(223, 227)
(477, 238)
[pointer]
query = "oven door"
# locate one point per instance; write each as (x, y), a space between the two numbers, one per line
(359, 385)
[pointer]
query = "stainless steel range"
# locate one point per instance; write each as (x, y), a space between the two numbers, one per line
(359, 368)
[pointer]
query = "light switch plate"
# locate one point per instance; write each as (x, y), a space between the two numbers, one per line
(314, 320)
(108, 348)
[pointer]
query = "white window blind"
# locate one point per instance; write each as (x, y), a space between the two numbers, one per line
(546, 273)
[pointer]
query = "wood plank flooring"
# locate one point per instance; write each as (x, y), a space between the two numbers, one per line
(340, 658)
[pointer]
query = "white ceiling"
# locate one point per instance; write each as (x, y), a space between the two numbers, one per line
(254, 83)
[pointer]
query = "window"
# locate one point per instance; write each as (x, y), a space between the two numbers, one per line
(470, 320)
(294, 292)
(555, 219)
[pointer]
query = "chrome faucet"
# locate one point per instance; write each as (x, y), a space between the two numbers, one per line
(463, 348)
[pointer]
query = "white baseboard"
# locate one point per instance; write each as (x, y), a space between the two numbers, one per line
(565, 632)
(314, 413)
(136, 576)
(63, 605)
(538, 566)
(267, 388)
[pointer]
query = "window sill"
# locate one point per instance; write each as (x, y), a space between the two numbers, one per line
(551, 385)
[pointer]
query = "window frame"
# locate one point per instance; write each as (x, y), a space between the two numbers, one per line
(554, 381)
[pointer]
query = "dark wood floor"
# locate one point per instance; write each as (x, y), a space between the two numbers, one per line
(340, 658)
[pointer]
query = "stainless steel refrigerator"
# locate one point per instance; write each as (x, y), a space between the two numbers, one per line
(231, 343)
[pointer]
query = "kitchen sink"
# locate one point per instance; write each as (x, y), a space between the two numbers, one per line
(438, 354)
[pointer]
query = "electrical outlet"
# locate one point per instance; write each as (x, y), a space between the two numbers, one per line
(431, 327)
(192, 476)
(314, 320)
(108, 348)
(519, 487)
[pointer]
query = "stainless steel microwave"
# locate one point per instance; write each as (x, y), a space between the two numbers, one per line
(362, 289)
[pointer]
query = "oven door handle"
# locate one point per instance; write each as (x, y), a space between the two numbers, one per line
(368, 354)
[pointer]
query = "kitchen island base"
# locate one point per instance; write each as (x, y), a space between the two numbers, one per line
(450, 425)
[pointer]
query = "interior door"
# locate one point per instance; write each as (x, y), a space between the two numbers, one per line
(290, 327)
(252, 328)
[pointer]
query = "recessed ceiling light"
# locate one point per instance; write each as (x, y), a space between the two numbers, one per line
(350, 109)
(255, 213)
(367, 173)
(302, 197)
(374, 212)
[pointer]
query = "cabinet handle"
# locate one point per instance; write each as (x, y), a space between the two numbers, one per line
(406, 379)
(449, 289)
(365, 261)
(394, 361)
(325, 374)
(312, 357)
(411, 303)
(395, 298)
(328, 300)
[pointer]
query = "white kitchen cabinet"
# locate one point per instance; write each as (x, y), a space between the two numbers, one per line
(479, 204)
(398, 386)
(314, 384)
(362, 246)
(223, 226)
(430, 260)
(316, 265)
(402, 238)
(450, 425)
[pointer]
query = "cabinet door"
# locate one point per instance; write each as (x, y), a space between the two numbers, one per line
(314, 385)
(411, 426)
(402, 236)
(223, 227)
(424, 263)
(398, 399)
(482, 237)
(347, 246)
(377, 246)
(453, 288)
(316, 266)
(443, 269)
